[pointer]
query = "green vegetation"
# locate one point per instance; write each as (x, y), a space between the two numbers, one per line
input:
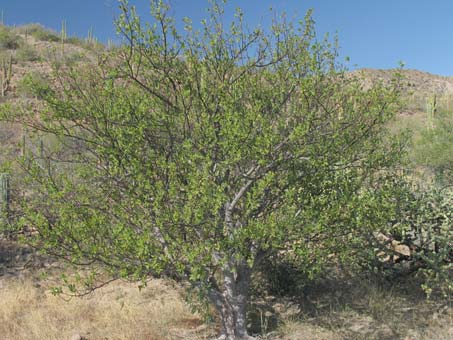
(8, 39)
(433, 148)
(4, 199)
(75, 41)
(415, 240)
(41, 33)
(63, 36)
(6, 73)
(421, 224)
(91, 40)
(26, 84)
(26, 53)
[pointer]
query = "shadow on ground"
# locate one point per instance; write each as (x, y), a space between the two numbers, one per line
(343, 306)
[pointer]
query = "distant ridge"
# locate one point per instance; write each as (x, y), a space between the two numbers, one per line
(418, 83)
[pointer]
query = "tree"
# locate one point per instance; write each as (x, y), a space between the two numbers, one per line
(197, 154)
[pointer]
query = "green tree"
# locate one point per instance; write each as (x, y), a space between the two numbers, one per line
(199, 153)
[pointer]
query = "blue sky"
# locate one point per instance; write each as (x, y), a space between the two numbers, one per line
(373, 33)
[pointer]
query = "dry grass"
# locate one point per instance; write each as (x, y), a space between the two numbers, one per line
(350, 325)
(367, 311)
(332, 308)
(296, 329)
(117, 311)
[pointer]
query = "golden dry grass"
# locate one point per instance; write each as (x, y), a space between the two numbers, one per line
(117, 311)
(355, 326)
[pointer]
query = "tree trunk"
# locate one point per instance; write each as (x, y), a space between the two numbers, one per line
(231, 303)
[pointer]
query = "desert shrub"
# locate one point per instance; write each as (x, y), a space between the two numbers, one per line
(26, 53)
(8, 39)
(27, 86)
(74, 58)
(29, 28)
(75, 41)
(85, 43)
(40, 33)
(416, 241)
(427, 229)
(433, 149)
(6, 55)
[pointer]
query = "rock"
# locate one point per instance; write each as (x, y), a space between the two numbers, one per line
(361, 325)
(385, 332)
(77, 337)
(279, 307)
(411, 335)
(401, 248)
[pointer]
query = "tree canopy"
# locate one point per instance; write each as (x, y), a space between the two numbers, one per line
(196, 154)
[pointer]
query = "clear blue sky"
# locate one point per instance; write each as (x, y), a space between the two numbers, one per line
(373, 33)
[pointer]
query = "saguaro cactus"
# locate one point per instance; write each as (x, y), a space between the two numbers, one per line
(431, 109)
(92, 41)
(90, 38)
(6, 73)
(4, 198)
(63, 35)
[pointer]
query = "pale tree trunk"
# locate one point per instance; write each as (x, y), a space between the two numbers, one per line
(232, 296)
(231, 302)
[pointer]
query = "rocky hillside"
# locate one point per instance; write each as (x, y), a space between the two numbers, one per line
(420, 88)
(417, 82)
(29, 52)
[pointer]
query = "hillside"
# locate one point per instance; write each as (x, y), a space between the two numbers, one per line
(418, 83)
(31, 52)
